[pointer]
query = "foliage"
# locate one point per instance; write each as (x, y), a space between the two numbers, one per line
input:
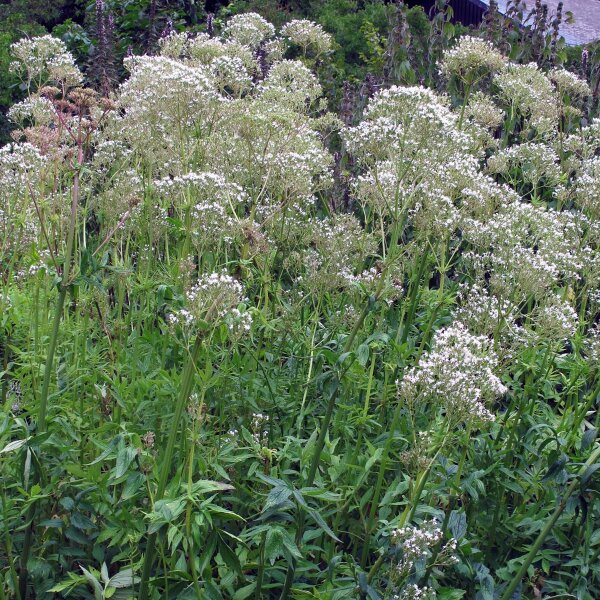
(252, 348)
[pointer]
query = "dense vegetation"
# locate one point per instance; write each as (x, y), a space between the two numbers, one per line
(265, 334)
(371, 38)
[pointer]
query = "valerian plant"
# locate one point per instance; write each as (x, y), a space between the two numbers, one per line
(219, 381)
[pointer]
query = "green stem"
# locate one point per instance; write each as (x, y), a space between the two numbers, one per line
(379, 484)
(320, 443)
(187, 382)
(512, 586)
(43, 407)
(415, 295)
(261, 568)
(464, 105)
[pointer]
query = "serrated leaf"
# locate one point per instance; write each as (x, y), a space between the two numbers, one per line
(321, 523)
(94, 583)
(277, 496)
(104, 573)
(81, 521)
(289, 544)
(132, 484)
(274, 544)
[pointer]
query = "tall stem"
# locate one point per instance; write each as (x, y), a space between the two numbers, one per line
(187, 382)
(512, 586)
(464, 105)
(43, 407)
(320, 443)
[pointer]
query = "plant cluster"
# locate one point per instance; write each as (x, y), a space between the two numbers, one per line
(254, 349)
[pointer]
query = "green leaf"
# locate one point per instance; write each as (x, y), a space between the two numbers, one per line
(588, 473)
(274, 547)
(289, 544)
(108, 450)
(457, 524)
(230, 558)
(588, 438)
(104, 573)
(362, 354)
(10, 447)
(320, 494)
(556, 467)
(321, 523)
(94, 583)
(277, 496)
(206, 486)
(81, 521)
(245, 592)
(376, 456)
(450, 594)
(124, 579)
(132, 484)
(223, 513)
(125, 457)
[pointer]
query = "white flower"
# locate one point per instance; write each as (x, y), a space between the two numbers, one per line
(249, 29)
(307, 35)
(456, 375)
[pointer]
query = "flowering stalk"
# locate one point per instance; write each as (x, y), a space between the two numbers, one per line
(409, 512)
(58, 311)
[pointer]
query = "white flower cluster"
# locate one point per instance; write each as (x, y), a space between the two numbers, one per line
(535, 161)
(259, 426)
(249, 29)
(413, 592)
(290, 83)
(197, 99)
(592, 347)
(34, 109)
(161, 98)
(44, 59)
(415, 159)
(485, 314)
(307, 35)
(483, 111)
(528, 92)
(557, 319)
(338, 248)
(526, 249)
(587, 186)
(456, 376)
(230, 74)
(416, 543)
(213, 298)
(569, 83)
(472, 58)
(22, 171)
